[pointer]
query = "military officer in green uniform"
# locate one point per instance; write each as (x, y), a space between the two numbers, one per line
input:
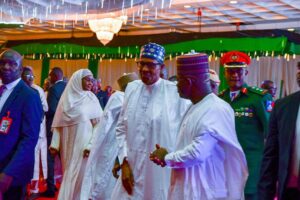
(252, 107)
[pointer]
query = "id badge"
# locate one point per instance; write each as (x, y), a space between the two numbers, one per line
(5, 124)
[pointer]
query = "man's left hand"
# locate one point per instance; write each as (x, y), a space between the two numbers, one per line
(5, 182)
(127, 177)
(158, 156)
(86, 153)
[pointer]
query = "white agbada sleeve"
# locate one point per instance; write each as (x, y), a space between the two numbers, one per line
(98, 181)
(201, 148)
(121, 128)
(89, 145)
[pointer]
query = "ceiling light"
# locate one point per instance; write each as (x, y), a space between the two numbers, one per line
(233, 2)
(187, 6)
(106, 28)
(291, 29)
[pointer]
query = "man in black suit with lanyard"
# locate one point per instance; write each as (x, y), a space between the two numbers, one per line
(20, 118)
(280, 166)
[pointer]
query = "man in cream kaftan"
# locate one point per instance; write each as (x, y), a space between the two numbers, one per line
(98, 181)
(208, 162)
(151, 114)
(76, 115)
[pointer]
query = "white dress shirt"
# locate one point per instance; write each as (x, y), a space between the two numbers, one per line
(7, 92)
(295, 160)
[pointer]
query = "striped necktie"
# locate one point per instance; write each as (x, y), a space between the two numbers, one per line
(233, 95)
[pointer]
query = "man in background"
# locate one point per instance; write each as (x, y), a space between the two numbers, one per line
(54, 94)
(252, 110)
(41, 146)
(101, 95)
(270, 86)
(214, 81)
(280, 164)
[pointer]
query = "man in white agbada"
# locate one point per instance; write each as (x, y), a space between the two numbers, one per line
(151, 113)
(98, 181)
(77, 113)
(40, 154)
(208, 163)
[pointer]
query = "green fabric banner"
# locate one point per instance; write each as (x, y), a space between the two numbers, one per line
(93, 66)
(294, 48)
(228, 44)
(259, 46)
(223, 84)
(45, 70)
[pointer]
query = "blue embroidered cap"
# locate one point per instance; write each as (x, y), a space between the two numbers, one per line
(153, 51)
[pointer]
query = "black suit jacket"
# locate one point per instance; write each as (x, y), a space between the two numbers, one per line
(17, 146)
(53, 97)
(103, 98)
(278, 149)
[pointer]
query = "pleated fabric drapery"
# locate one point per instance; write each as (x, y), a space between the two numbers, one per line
(271, 68)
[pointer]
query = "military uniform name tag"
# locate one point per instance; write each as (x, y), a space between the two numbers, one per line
(5, 124)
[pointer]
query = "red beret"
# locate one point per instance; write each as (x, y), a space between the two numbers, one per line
(235, 59)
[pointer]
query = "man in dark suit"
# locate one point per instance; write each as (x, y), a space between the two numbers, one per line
(101, 95)
(20, 119)
(280, 165)
(54, 94)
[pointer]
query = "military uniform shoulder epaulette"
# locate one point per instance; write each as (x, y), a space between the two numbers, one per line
(257, 90)
(222, 93)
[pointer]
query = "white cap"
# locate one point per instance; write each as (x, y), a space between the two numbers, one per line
(214, 76)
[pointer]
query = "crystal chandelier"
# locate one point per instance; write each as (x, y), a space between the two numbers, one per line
(106, 28)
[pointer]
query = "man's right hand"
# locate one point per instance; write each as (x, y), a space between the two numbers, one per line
(127, 177)
(158, 156)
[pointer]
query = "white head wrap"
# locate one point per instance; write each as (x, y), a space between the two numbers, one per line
(76, 105)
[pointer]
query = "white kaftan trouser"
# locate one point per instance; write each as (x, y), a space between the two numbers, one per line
(98, 181)
(40, 154)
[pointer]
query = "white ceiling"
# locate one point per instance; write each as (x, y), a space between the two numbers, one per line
(145, 16)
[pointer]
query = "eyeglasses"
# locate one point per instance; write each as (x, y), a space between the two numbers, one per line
(29, 76)
(150, 65)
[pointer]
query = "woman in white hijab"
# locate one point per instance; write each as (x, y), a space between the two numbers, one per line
(77, 113)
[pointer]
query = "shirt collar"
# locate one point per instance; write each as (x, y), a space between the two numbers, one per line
(58, 81)
(152, 87)
(13, 84)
